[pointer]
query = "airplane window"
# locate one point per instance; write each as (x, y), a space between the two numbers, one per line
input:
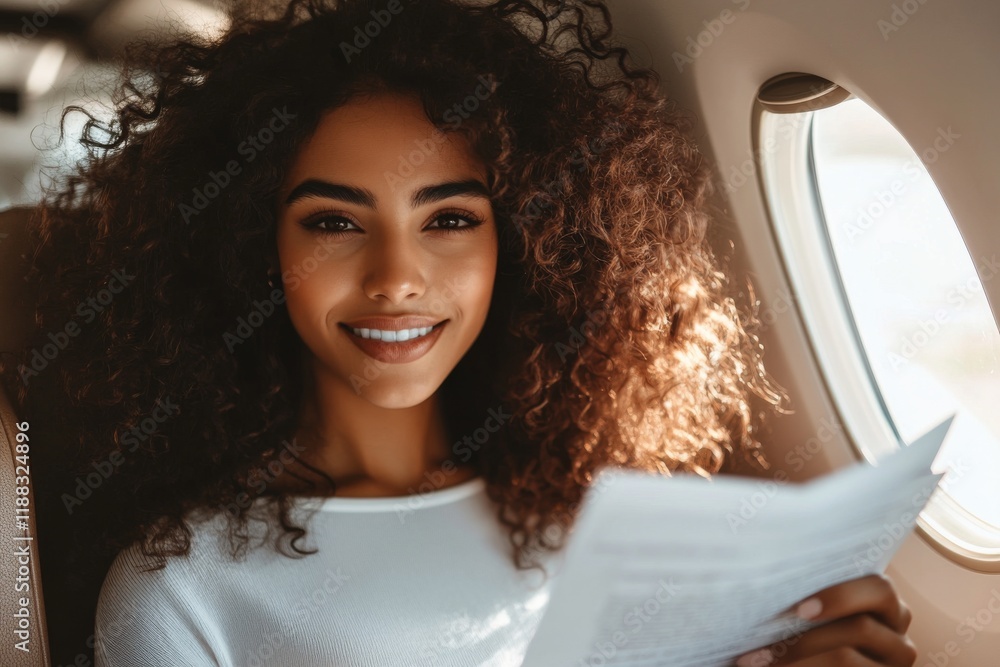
(917, 300)
(892, 299)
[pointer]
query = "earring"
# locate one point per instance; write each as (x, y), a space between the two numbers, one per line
(272, 279)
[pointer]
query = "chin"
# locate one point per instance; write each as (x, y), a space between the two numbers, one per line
(395, 392)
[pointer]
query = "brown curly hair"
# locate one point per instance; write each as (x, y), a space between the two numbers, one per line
(610, 339)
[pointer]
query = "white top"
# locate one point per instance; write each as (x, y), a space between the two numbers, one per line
(426, 579)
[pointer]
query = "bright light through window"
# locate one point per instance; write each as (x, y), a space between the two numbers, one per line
(918, 304)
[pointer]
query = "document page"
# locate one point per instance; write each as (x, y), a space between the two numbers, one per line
(689, 572)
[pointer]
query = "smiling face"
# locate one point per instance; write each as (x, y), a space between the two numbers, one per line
(382, 215)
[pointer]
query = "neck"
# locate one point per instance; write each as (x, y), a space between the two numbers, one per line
(369, 450)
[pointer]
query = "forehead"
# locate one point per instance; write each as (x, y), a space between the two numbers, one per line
(374, 136)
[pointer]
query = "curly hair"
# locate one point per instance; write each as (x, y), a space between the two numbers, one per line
(610, 339)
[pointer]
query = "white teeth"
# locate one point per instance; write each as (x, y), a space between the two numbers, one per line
(391, 336)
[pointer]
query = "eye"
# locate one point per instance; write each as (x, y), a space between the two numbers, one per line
(471, 219)
(338, 225)
(326, 223)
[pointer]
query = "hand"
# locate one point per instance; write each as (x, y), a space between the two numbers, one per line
(867, 628)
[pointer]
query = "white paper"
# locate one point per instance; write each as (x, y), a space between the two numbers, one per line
(689, 572)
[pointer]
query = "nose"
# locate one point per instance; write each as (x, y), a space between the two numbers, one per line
(394, 269)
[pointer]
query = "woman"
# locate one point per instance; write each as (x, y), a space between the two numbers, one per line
(497, 182)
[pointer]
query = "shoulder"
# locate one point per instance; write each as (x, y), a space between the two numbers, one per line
(157, 610)
(133, 572)
(139, 608)
(134, 581)
(133, 592)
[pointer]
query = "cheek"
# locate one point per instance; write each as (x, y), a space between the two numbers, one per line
(307, 305)
(471, 282)
(312, 286)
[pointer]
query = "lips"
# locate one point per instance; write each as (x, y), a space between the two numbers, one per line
(393, 323)
(396, 352)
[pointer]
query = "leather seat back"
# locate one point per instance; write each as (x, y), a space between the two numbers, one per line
(22, 608)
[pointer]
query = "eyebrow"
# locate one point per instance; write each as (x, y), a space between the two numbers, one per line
(363, 197)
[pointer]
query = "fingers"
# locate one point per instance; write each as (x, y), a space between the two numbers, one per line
(873, 594)
(843, 657)
(863, 622)
(905, 615)
(871, 640)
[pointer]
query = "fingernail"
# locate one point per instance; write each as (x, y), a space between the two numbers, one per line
(756, 659)
(810, 608)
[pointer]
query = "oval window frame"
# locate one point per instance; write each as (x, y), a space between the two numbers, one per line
(785, 105)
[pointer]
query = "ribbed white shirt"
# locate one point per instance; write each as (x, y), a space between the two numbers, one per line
(418, 580)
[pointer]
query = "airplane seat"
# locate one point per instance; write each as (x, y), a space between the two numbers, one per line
(22, 605)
